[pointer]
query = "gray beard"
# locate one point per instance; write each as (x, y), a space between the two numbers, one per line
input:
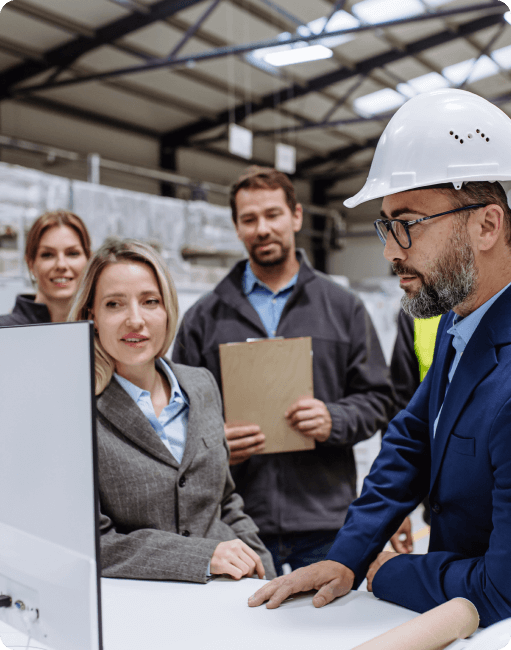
(450, 284)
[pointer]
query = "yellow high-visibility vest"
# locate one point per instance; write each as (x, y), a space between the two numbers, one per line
(425, 330)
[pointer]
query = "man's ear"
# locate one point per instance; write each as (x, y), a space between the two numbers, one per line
(489, 226)
(298, 218)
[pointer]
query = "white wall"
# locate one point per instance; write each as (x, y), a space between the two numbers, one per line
(361, 258)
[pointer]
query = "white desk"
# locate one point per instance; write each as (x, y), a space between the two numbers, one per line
(140, 615)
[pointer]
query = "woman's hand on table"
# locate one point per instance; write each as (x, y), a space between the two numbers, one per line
(244, 441)
(236, 559)
(330, 579)
(383, 557)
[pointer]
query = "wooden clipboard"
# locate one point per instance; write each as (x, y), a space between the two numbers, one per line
(261, 380)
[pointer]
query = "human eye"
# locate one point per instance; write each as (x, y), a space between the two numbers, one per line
(46, 254)
(153, 302)
(74, 253)
(112, 304)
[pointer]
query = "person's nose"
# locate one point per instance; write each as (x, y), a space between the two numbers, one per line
(61, 262)
(393, 250)
(135, 318)
(263, 227)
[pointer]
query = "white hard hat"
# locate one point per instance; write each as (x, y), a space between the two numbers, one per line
(445, 136)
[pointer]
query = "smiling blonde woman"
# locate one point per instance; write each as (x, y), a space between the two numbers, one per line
(168, 506)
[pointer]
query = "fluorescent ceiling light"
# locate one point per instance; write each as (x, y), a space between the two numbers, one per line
(503, 56)
(458, 72)
(379, 102)
(379, 11)
(507, 16)
(423, 84)
(340, 20)
(298, 55)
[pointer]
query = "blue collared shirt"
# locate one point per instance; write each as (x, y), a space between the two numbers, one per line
(172, 424)
(462, 330)
(268, 305)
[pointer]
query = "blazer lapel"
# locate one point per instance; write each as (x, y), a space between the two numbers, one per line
(119, 409)
(196, 402)
(477, 361)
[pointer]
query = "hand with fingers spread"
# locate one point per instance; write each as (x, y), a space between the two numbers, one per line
(236, 559)
(399, 544)
(383, 557)
(244, 441)
(311, 418)
(330, 579)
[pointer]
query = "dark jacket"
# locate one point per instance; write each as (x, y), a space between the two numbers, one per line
(308, 490)
(466, 467)
(26, 312)
(404, 366)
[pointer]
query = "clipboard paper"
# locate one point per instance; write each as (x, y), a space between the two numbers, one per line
(261, 380)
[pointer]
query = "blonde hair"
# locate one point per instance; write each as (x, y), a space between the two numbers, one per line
(114, 251)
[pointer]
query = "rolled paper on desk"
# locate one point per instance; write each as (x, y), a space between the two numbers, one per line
(433, 630)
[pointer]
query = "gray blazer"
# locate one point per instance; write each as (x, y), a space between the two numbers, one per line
(161, 520)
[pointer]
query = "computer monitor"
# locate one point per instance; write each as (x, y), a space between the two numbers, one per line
(49, 545)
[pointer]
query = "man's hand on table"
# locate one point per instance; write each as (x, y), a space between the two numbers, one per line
(383, 557)
(236, 559)
(403, 545)
(330, 579)
(311, 418)
(243, 441)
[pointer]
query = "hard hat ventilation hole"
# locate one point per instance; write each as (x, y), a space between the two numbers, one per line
(487, 139)
(451, 132)
(457, 137)
(482, 135)
(461, 141)
(478, 131)
(470, 136)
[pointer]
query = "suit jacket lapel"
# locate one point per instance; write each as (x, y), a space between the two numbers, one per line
(477, 361)
(196, 402)
(119, 409)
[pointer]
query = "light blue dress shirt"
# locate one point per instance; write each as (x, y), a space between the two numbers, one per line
(172, 424)
(462, 330)
(268, 305)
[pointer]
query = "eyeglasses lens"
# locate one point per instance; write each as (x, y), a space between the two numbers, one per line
(382, 231)
(400, 233)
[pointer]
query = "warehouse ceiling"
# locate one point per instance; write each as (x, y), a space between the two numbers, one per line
(182, 71)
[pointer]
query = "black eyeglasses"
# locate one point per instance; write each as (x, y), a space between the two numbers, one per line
(400, 228)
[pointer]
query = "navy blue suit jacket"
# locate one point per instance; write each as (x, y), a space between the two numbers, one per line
(466, 469)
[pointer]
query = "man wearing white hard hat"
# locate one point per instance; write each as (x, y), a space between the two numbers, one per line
(442, 167)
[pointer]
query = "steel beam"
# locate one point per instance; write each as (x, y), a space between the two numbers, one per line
(495, 7)
(64, 55)
(181, 136)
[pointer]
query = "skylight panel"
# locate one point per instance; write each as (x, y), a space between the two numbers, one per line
(423, 84)
(379, 11)
(457, 73)
(503, 57)
(379, 102)
(436, 3)
(298, 55)
(507, 16)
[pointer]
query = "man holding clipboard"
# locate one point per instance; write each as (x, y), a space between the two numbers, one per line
(298, 499)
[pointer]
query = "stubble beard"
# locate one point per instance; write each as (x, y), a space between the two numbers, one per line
(451, 283)
(269, 261)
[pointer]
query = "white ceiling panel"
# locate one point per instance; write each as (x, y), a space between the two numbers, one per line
(117, 104)
(158, 39)
(92, 13)
(38, 35)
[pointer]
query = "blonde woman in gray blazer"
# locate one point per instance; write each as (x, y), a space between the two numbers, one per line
(168, 506)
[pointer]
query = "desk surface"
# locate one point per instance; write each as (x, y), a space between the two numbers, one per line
(140, 615)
